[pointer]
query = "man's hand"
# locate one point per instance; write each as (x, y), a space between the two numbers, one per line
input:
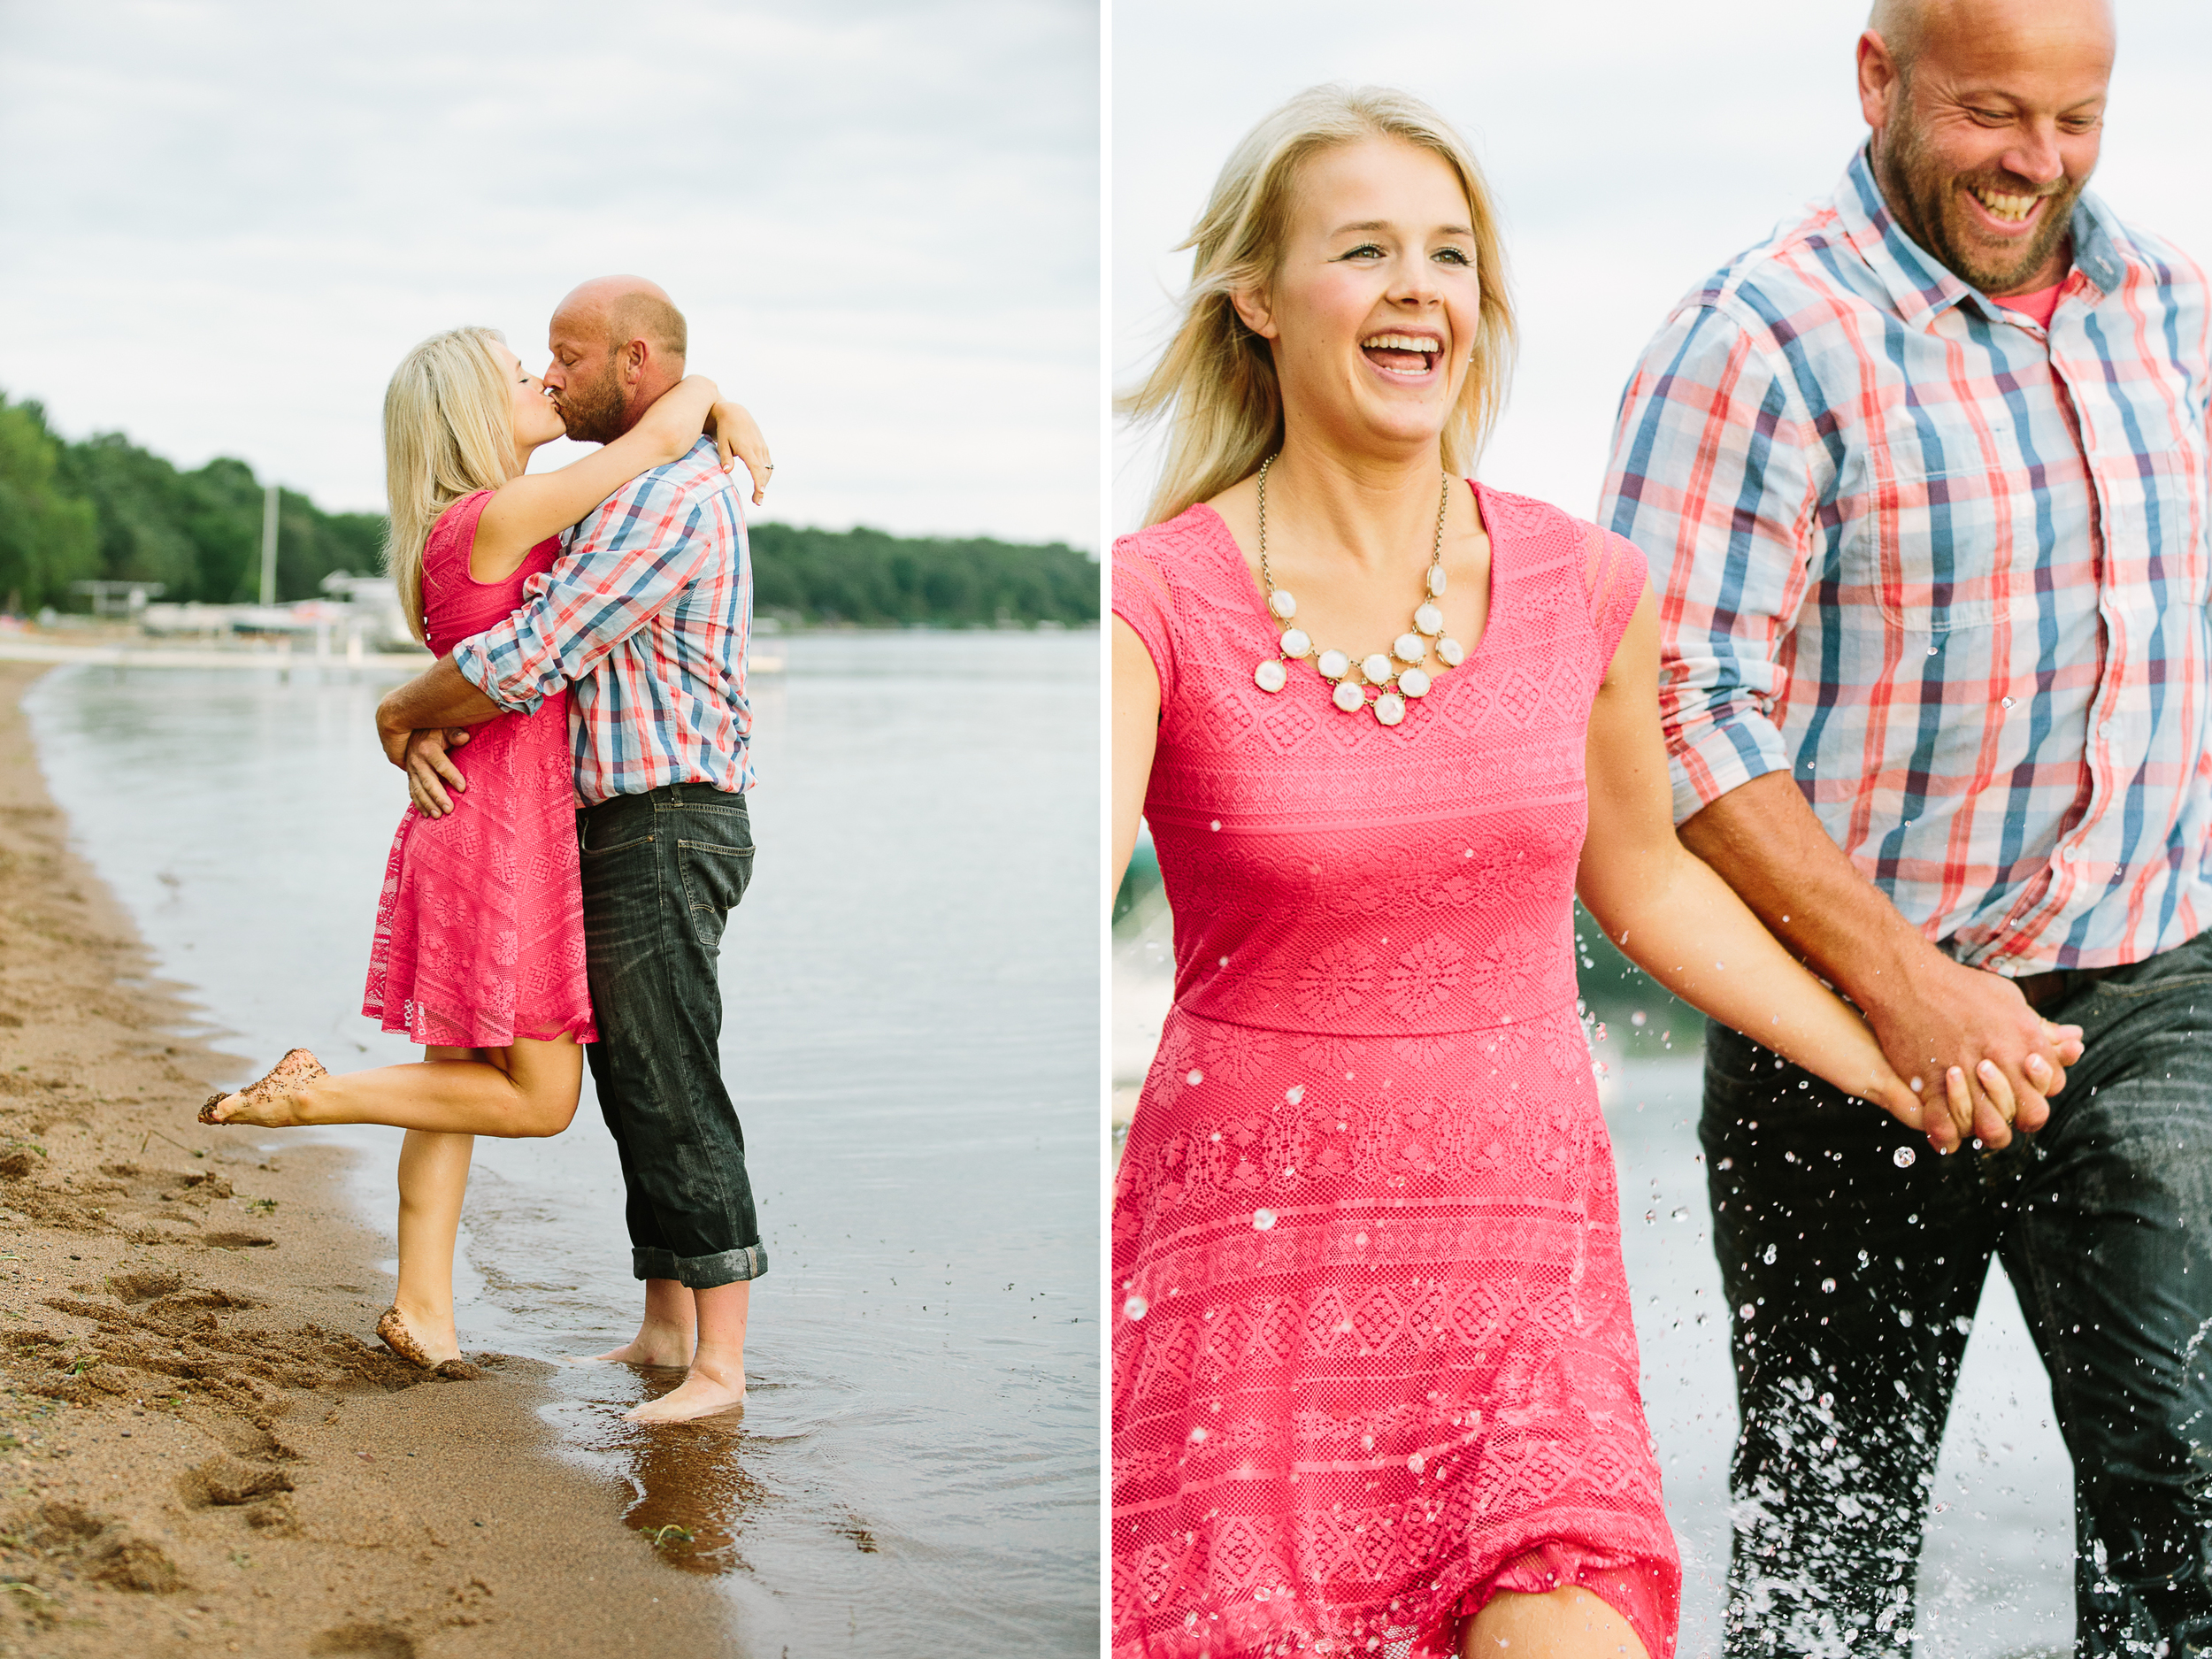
(1946, 1024)
(1929, 1013)
(430, 771)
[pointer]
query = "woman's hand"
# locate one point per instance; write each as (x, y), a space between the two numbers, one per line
(737, 438)
(1884, 1088)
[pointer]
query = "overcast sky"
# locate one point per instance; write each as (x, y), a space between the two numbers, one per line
(1633, 144)
(222, 223)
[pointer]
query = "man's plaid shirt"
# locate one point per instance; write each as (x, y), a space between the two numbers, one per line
(1947, 570)
(645, 620)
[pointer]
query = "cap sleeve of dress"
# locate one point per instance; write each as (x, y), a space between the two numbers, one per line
(1143, 599)
(1613, 580)
(451, 539)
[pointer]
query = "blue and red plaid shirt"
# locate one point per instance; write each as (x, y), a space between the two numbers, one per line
(645, 620)
(1947, 568)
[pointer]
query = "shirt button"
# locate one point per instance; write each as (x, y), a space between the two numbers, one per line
(2104, 728)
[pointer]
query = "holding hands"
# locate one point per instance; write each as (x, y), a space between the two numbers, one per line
(1966, 1039)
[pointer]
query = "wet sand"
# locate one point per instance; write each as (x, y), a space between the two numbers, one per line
(201, 1448)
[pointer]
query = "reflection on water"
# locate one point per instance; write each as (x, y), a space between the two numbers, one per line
(912, 1035)
(692, 1496)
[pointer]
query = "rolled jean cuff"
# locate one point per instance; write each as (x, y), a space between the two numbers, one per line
(700, 1273)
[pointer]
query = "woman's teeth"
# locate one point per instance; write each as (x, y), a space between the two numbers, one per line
(2012, 208)
(1400, 353)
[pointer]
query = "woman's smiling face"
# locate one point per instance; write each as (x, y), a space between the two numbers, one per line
(1376, 304)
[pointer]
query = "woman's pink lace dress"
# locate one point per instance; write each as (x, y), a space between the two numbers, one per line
(1372, 1356)
(479, 932)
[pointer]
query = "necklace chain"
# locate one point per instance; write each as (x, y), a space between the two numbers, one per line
(1401, 674)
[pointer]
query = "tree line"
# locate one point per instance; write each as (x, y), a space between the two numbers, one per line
(103, 508)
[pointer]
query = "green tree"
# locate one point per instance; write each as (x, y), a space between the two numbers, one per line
(47, 539)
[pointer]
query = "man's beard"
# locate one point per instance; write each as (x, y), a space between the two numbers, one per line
(594, 413)
(1913, 178)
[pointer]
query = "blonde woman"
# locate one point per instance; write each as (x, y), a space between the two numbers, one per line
(1375, 1382)
(479, 952)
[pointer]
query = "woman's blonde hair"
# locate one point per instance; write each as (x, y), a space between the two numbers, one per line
(448, 432)
(1216, 380)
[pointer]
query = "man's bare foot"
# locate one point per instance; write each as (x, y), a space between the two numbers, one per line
(418, 1345)
(657, 1342)
(705, 1392)
(266, 1102)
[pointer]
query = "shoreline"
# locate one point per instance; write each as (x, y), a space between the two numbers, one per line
(201, 1448)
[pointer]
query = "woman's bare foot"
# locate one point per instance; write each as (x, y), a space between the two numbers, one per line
(266, 1102)
(431, 1351)
(706, 1391)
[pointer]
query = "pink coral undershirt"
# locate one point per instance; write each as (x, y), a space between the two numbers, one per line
(2040, 305)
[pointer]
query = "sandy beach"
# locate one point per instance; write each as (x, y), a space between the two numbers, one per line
(202, 1450)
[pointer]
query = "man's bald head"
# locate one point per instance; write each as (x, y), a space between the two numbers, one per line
(1987, 116)
(617, 343)
(1908, 28)
(627, 308)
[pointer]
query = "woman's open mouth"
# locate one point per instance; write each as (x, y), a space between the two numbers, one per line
(1410, 355)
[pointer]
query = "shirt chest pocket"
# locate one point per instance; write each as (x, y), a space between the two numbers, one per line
(2167, 508)
(1942, 551)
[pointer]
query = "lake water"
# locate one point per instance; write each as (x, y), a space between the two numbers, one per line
(911, 1033)
(1996, 1573)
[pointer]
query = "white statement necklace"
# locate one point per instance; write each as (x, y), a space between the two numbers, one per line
(1396, 675)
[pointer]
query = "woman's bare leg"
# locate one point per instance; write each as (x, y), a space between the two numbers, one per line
(434, 1175)
(529, 1089)
(1564, 1625)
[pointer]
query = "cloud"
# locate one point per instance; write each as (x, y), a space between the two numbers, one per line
(223, 223)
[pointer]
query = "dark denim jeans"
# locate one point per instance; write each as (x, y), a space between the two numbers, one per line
(661, 873)
(1855, 1280)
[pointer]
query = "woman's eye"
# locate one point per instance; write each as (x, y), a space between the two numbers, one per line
(1366, 251)
(1455, 255)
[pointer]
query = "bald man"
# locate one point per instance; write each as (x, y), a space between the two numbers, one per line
(645, 620)
(1925, 474)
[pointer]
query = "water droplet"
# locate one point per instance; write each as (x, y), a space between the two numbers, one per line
(1215, 825)
(1963, 1325)
(1678, 1214)
(1197, 1434)
(1361, 1240)
(1263, 1219)
(1414, 1462)
(1904, 1316)
(1136, 1307)
(2008, 702)
(1746, 1311)
(1904, 1157)
(1932, 650)
(1828, 1285)
(1650, 1216)
(1637, 1018)
(1296, 1093)
(1769, 1258)
(1915, 1085)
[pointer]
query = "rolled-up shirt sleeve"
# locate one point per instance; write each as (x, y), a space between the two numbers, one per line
(1712, 476)
(627, 562)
